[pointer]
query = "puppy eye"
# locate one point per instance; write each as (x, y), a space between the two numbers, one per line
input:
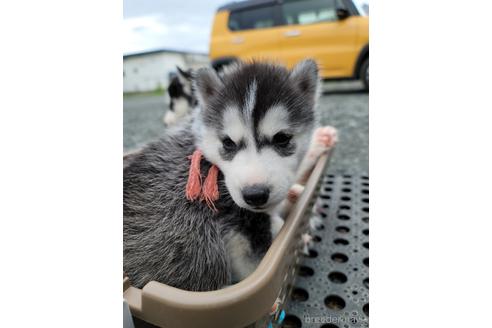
(228, 144)
(281, 139)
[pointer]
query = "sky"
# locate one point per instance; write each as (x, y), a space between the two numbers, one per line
(171, 24)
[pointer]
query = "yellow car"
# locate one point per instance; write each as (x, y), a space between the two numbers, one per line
(333, 32)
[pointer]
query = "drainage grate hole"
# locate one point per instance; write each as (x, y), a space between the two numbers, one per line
(365, 191)
(345, 198)
(347, 182)
(365, 219)
(329, 325)
(328, 189)
(366, 244)
(305, 271)
(342, 229)
(312, 254)
(329, 182)
(344, 207)
(337, 277)
(365, 177)
(325, 196)
(365, 200)
(334, 302)
(323, 215)
(346, 190)
(365, 232)
(366, 262)
(299, 294)
(366, 209)
(291, 321)
(355, 269)
(320, 227)
(354, 292)
(339, 257)
(344, 217)
(325, 206)
(366, 282)
(365, 308)
(341, 241)
(317, 239)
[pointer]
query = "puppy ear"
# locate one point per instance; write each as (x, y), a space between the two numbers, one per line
(185, 74)
(207, 85)
(305, 76)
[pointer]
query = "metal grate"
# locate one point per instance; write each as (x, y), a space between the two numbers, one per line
(332, 286)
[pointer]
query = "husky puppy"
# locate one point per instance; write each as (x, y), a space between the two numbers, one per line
(182, 98)
(255, 123)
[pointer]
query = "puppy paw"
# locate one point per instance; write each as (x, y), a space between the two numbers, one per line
(324, 138)
(315, 223)
(294, 193)
(276, 225)
(307, 241)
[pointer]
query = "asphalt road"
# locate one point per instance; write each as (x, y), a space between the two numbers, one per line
(342, 104)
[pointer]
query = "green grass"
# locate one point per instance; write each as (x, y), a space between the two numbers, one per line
(157, 92)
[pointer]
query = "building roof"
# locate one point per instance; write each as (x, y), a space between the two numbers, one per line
(157, 51)
(245, 4)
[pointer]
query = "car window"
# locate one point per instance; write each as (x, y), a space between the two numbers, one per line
(253, 18)
(362, 6)
(308, 11)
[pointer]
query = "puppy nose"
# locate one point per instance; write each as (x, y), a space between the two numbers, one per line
(256, 195)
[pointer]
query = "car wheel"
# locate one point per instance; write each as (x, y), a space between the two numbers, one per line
(364, 73)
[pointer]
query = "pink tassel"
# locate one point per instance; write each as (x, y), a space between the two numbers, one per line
(194, 185)
(210, 191)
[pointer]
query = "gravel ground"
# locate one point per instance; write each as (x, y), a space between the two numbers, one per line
(346, 107)
(342, 104)
(142, 119)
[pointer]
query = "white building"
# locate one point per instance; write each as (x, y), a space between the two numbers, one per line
(150, 71)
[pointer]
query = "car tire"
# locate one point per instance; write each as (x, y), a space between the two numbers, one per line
(364, 73)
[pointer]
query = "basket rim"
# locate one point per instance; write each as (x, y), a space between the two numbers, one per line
(156, 300)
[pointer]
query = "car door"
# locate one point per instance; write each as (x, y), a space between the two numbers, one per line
(312, 29)
(254, 32)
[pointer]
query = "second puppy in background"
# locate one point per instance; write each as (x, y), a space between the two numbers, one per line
(181, 97)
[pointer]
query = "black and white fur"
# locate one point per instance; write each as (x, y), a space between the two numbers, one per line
(255, 123)
(181, 97)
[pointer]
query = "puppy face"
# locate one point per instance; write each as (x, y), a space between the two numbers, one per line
(255, 123)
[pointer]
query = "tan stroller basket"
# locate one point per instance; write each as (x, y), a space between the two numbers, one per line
(245, 304)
